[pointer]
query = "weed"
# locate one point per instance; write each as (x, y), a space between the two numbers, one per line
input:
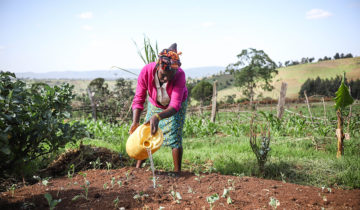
(52, 203)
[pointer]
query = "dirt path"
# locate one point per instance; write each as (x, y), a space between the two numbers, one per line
(244, 192)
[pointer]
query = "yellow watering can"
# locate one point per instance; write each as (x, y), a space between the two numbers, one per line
(141, 140)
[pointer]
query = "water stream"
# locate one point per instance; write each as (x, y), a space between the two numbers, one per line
(152, 165)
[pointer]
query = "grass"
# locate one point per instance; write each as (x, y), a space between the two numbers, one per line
(290, 160)
(224, 146)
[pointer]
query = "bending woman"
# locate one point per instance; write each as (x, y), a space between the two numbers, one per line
(165, 83)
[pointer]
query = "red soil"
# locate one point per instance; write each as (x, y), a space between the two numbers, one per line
(247, 192)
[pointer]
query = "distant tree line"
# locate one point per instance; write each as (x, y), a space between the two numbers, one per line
(328, 87)
(310, 60)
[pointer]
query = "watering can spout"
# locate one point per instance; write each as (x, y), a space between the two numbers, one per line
(141, 140)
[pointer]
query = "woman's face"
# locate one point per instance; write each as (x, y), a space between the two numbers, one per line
(166, 75)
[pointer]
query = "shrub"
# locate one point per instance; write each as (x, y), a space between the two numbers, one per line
(32, 121)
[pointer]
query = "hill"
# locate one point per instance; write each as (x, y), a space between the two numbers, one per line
(296, 75)
(113, 74)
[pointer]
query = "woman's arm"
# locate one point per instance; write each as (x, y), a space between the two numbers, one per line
(136, 120)
(154, 120)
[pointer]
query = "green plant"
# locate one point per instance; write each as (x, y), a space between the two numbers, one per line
(105, 186)
(108, 166)
(43, 181)
(12, 189)
(342, 100)
(119, 183)
(85, 187)
(261, 151)
(71, 171)
(116, 202)
(176, 196)
(211, 199)
(274, 203)
(52, 203)
(32, 121)
(140, 195)
(96, 164)
(112, 182)
(150, 53)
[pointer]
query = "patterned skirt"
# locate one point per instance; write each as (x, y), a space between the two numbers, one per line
(172, 127)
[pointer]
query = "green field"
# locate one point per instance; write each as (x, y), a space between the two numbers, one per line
(301, 151)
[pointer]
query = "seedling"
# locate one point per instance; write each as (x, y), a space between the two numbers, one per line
(96, 164)
(229, 201)
(127, 174)
(225, 193)
(71, 171)
(85, 187)
(176, 196)
(211, 199)
(198, 178)
(116, 202)
(44, 181)
(12, 189)
(140, 195)
(119, 183)
(108, 166)
(105, 186)
(52, 203)
(274, 203)
(190, 190)
(283, 177)
(112, 182)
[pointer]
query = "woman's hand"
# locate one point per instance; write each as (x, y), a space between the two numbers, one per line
(154, 124)
(133, 127)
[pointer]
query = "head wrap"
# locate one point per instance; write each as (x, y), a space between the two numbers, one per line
(169, 58)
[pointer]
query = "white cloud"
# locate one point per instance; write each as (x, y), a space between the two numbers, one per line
(207, 24)
(87, 27)
(317, 14)
(86, 15)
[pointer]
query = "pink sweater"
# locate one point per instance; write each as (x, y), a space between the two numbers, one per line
(176, 88)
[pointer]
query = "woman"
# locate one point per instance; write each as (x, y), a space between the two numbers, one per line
(165, 83)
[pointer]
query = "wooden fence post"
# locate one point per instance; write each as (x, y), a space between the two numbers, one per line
(308, 105)
(93, 106)
(213, 108)
(281, 102)
(323, 101)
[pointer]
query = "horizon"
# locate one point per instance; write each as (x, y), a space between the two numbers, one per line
(59, 36)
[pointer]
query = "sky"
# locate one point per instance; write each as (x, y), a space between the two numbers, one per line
(83, 35)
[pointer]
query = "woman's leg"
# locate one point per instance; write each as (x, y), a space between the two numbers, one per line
(177, 158)
(139, 163)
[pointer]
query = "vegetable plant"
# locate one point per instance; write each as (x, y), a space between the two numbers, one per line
(52, 203)
(211, 199)
(85, 187)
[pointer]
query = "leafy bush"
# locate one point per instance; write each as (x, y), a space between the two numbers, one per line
(32, 121)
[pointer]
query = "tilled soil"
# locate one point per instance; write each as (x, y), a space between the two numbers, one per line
(132, 188)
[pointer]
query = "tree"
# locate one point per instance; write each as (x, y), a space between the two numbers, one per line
(202, 92)
(336, 56)
(253, 69)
